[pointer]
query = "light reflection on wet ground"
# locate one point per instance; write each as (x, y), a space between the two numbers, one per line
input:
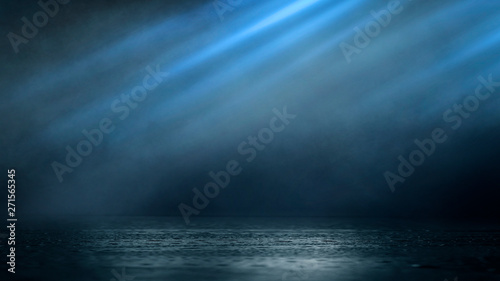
(163, 248)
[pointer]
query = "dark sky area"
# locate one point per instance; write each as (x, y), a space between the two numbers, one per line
(362, 86)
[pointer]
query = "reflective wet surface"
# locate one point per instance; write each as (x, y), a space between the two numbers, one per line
(164, 248)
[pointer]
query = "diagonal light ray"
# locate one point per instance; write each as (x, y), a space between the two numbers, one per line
(103, 104)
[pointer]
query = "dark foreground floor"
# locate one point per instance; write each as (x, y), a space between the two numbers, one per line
(162, 248)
